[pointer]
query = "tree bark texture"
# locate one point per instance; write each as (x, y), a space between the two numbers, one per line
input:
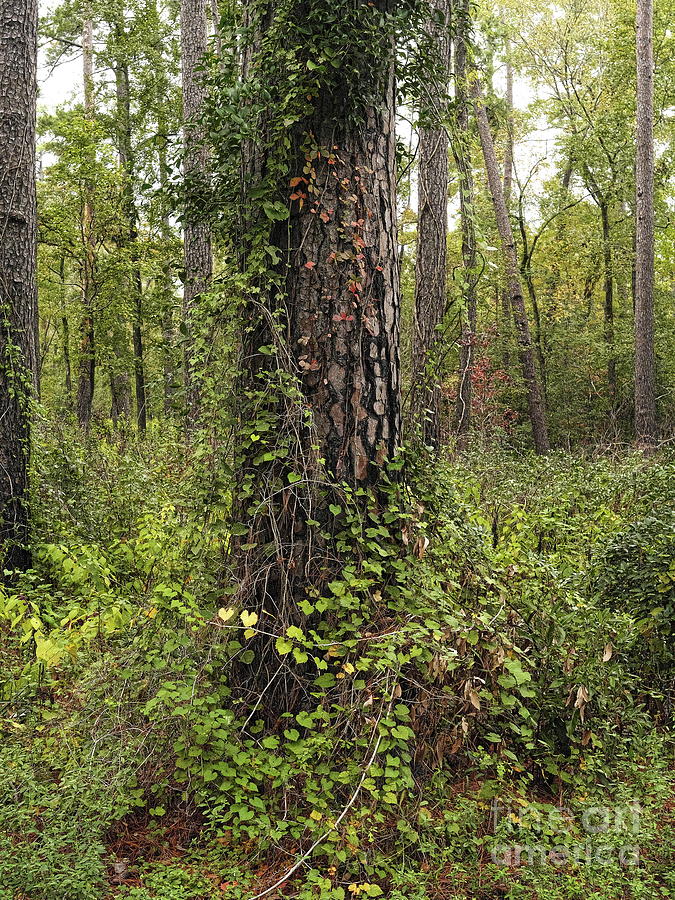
(432, 230)
(18, 290)
(522, 328)
(645, 366)
(197, 233)
(462, 154)
(336, 302)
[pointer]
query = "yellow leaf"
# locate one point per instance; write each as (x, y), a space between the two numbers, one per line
(226, 614)
(349, 668)
(249, 633)
(316, 815)
(151, 613)
(249, 618)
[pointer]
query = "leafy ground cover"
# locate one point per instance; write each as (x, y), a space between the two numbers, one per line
(491, 702)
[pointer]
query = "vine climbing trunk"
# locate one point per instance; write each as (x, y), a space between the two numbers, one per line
(462, 154)
(321, 330)
(522, 327)
(432, 230)
(18, 291)
(197, 232)
(645, 367)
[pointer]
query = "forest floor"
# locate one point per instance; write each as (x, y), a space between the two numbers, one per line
(553, 780)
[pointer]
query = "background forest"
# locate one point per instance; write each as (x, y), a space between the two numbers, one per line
(337, 393)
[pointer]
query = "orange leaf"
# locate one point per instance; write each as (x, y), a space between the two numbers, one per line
(310, 265)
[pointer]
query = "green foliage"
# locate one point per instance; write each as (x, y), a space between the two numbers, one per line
(496, 647)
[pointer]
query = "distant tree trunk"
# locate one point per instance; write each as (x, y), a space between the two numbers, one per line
(87, 357)
(645, 368)
(18, 291)
(432, 230)
(125, 150)
(65, 335)
(166, 284)
(197, 232)
(525, 351)
(65, 328)
(462, 154)
(505, 331)
(608, 310)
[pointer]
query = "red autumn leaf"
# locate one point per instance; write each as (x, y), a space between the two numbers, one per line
(324, 217)
(294, 182)
(310, 265)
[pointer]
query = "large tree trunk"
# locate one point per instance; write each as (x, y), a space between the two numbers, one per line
(432, 230)
(525, 351)
(462, 154)
(645, 368)
(197, 233)
(87, 358)
(327, 397)
(18, 291)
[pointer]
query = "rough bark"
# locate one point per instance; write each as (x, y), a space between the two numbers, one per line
(645, 366)
(462, 156)
(197, 232)
(87, 357)
(338, 309)
(522, 327)
(18, 291)
(432, 230)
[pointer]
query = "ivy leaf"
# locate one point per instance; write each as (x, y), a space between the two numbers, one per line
(226, 614)
(249, 619)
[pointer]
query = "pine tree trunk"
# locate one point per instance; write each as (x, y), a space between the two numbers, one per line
(337, 303)
(645, 367)
(18, 291)
(462, 154)
(522, 328)
(87, 357)
(432, 230)
(197, 233)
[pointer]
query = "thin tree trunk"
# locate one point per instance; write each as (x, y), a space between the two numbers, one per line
(18, 289)
(645, 367)
(197, 233)
(125, 151)
(505, 330)
(525, 351)
(462, 154)
(166, 285)
(432, 230)
(608, 311)
(65, 335)
(87, 358)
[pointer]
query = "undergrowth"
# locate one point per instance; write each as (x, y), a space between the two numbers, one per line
(494, 662)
